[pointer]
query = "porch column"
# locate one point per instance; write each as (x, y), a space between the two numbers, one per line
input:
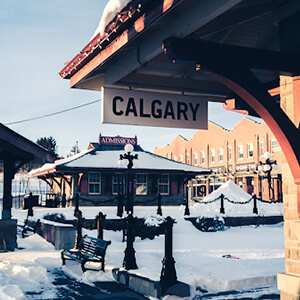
(9, 172)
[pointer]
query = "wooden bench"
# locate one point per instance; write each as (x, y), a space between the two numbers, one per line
(30, 224)
(90, 250)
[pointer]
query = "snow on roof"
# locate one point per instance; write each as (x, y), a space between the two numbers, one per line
(108, 159)
(146, 160)
(212, 122)
(46, 168)
(110, 11)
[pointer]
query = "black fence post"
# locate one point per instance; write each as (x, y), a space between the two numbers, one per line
(63, 200)
(129, 262)
(168, 273)
(76, 203)
(159, 211)
(30, 205)
(100, 225)
(120, 205)
(255, 211)
(222, 209)
(187, 210)
(78, 228)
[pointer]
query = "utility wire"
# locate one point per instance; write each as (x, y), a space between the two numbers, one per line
(53, 114)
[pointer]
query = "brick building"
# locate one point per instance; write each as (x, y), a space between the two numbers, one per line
(231, 154)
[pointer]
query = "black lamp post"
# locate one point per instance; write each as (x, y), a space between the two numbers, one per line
(267, 168)
(129, 261)
(130, 158)
(187, 210)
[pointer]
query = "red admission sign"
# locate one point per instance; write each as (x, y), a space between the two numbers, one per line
(117, 140)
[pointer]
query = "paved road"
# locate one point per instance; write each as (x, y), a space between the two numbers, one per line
(268, 293)
(69, 289)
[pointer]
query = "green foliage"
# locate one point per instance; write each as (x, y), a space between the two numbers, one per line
(48, 143)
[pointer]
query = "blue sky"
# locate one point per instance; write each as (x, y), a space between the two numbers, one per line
(37, 37)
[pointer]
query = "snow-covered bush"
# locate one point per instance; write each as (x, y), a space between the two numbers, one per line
(56, 217)
(210, 224)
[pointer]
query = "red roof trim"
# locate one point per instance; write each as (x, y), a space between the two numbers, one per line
(123, 20)
(98, 43)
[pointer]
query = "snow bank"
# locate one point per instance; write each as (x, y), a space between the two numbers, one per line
(26, 271)
(230, 190)
(234, 193)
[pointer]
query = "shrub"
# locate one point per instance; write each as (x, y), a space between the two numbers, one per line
(56, 217)
(210, 224)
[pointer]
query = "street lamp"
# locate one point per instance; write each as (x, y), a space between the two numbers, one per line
(267, 168)
(130, 158)
(129, 262)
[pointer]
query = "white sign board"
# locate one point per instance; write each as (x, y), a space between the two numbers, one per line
(153, 109)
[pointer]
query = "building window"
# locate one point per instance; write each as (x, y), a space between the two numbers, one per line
(163, 184)
(188, 159)
(250, 150)
(118, 179)
(212, 156)
(229, 153)
(261, 148)
(175, 158)
(240, 152)
(273, 145)
(141, 184)
(221, 154)
(94, 183)
(202, 158)
(196, 159)
(180, 158)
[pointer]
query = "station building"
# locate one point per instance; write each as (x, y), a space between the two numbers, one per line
(98, 176)
(233, 154)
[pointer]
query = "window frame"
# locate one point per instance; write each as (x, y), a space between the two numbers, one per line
(195, 156)
(137, 184)
(221, 154)
(249, 150)
(272, 147)
(94, 183)
(261, 148)
(116, 183)
(240, 153)
(164, 184)
(187, 159)
(212, 155)
(202, 158)
(229, 153)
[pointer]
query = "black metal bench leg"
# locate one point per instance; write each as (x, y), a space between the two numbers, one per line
(82, 266)
(63, 258)
(102, 264)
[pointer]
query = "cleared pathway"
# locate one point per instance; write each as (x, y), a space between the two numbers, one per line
(67, 289)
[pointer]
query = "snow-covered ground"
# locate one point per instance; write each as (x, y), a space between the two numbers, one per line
(198, 256)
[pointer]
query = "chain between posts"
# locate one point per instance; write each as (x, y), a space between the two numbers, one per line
(235, 202)
(207, 202)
